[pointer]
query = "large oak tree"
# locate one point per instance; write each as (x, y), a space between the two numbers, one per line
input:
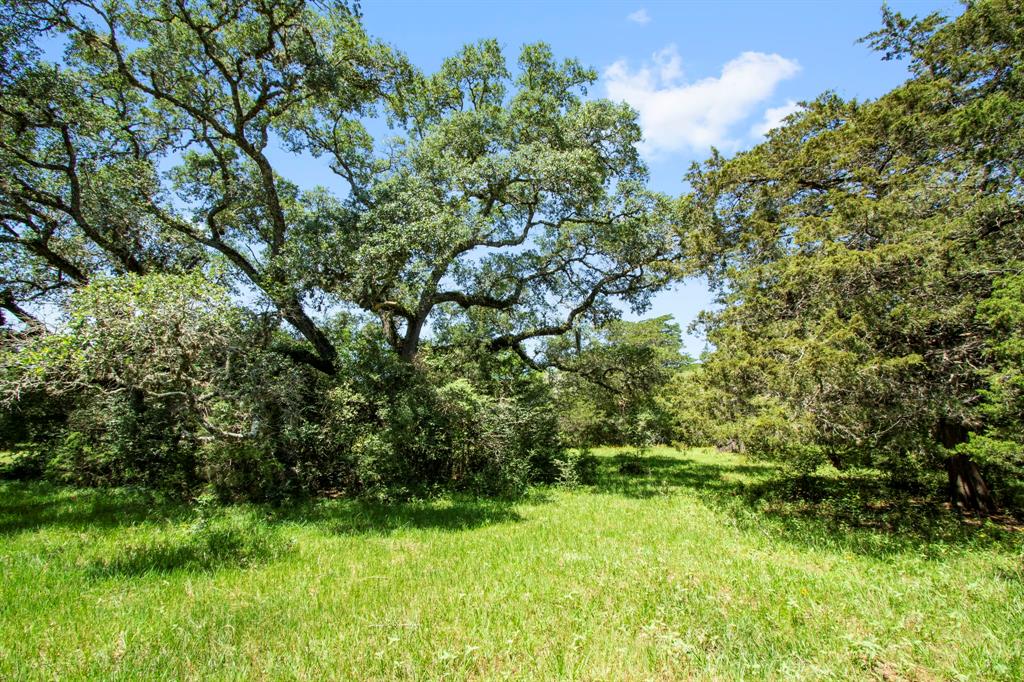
(505, 203)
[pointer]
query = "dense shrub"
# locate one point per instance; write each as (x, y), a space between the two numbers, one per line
(444, 424)
(162, 381)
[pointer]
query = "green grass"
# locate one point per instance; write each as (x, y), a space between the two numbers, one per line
(693, 565)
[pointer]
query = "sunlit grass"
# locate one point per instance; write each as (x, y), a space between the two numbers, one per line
(674, 565)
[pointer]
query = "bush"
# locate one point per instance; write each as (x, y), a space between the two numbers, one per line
(222, 407)
(568, 467)
(430, 437)
(243, 470)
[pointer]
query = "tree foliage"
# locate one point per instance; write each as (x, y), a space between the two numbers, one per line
(864, 255)
(613, 381)
(509, 202)
(209, 320)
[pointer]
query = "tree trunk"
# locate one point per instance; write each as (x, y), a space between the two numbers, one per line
(967, 489)
(324, 353)
(410, 345)
(835, 459)
(732, 445)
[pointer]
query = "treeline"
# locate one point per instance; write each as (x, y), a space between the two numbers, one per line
(444, 313)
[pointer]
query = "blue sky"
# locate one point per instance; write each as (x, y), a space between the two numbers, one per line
(699, 73)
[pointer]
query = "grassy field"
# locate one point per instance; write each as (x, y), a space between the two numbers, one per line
(674, 565)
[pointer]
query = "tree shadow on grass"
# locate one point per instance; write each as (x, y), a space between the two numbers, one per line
(244, 537)
(175, 536)
(29, 506)
(645, 476)
(228, 540)
(856, 510)
(359, 517)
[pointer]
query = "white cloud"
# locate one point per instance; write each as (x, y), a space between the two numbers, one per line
(640, 16)
(773, 118)
(678, 116)
(670, 64)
